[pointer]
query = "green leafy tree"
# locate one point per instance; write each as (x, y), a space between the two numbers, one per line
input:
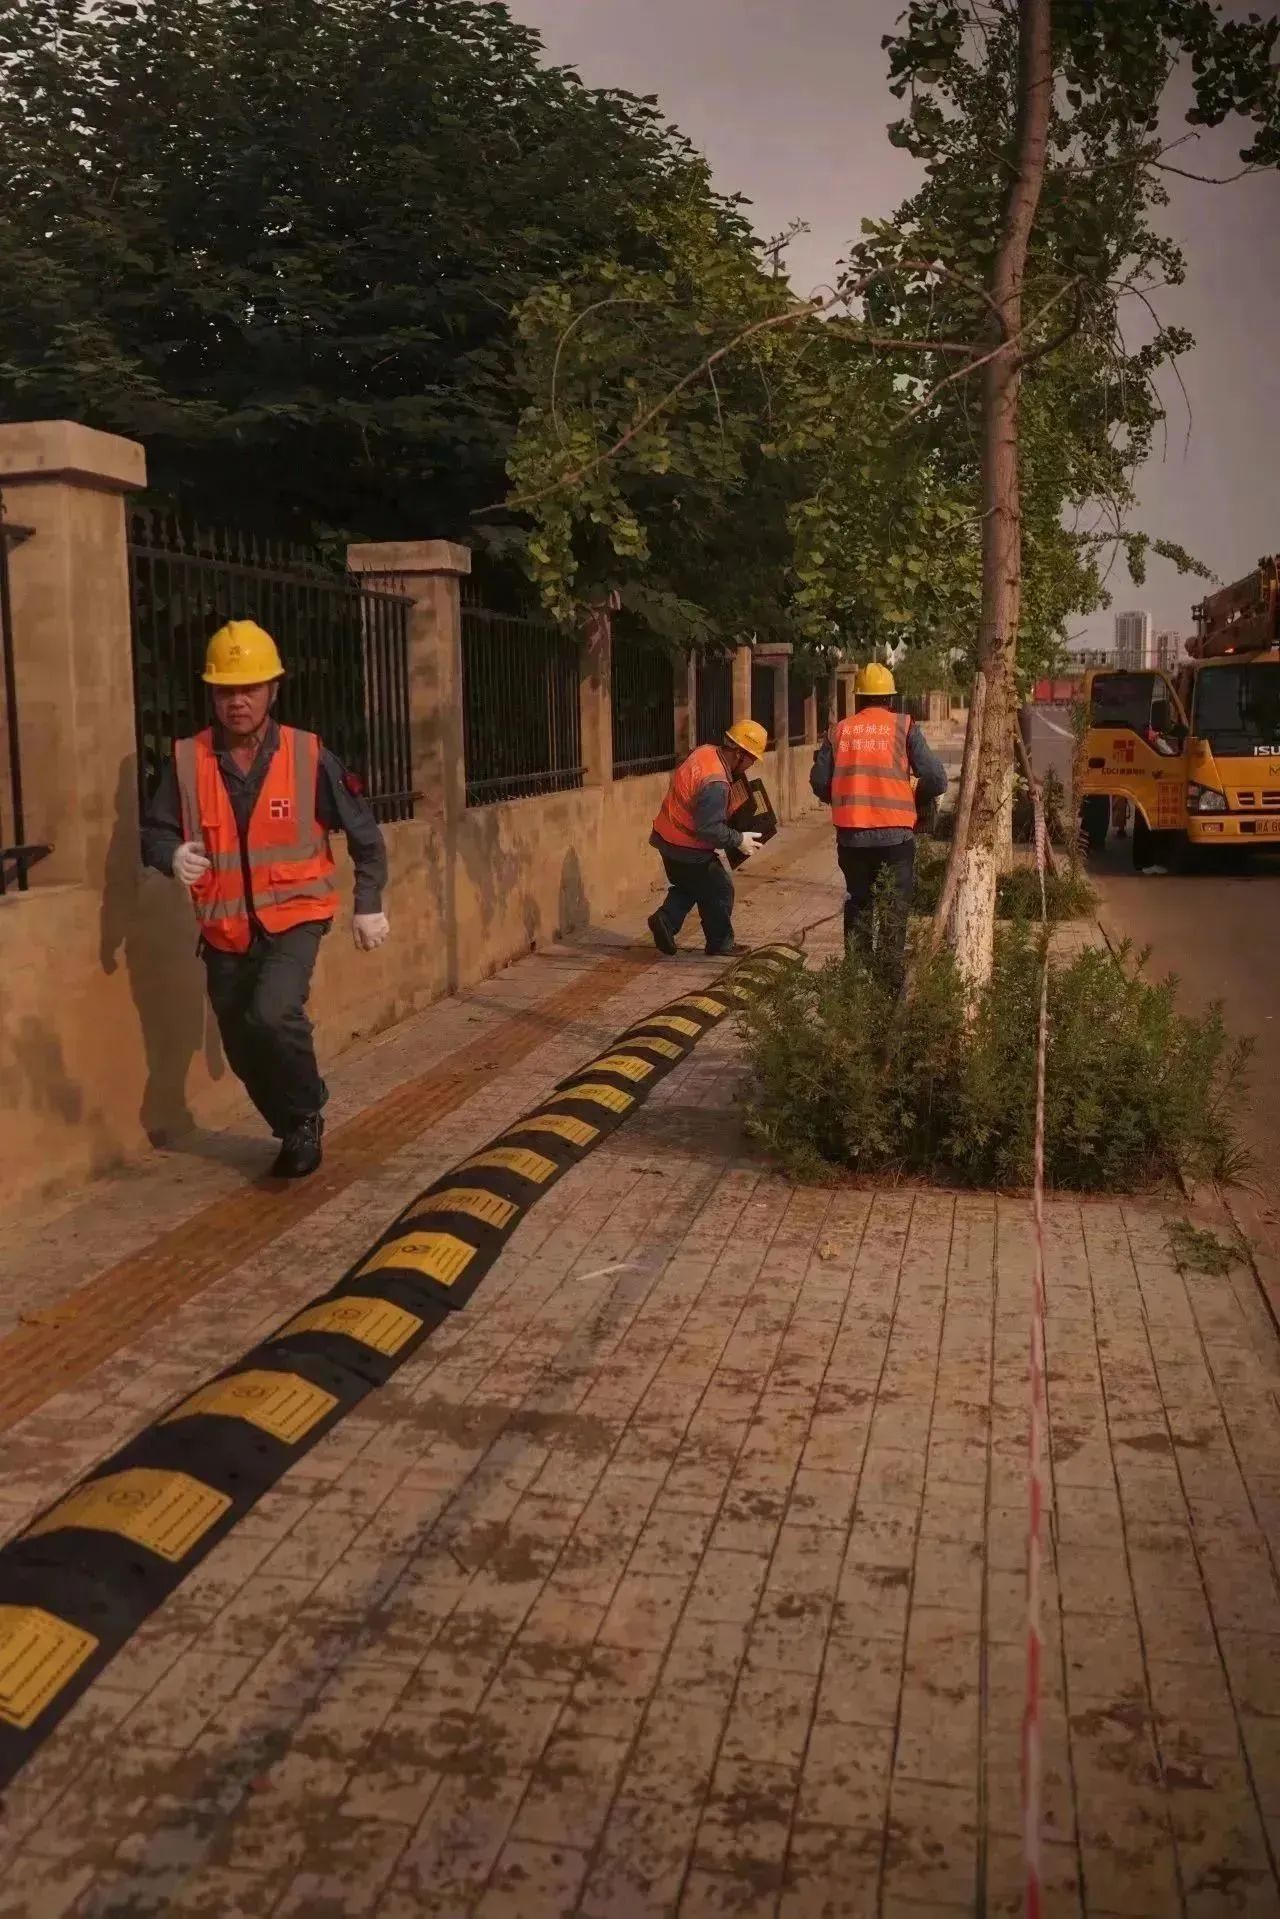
(961, 422)
(1037, 123)
(283, 241)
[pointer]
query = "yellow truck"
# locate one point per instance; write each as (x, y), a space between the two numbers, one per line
(1196, 751)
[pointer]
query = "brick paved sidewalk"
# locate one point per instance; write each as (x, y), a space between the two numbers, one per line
(681, 1574)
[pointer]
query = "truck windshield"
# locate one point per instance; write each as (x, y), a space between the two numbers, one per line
(1237, 708)
(1123, 699)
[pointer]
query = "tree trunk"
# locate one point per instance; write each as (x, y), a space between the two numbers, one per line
(972, 928)
(964, 811)
(1004, 821)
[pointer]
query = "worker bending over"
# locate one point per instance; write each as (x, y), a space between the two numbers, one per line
(692, 830)
(242, 816)
(863, 771)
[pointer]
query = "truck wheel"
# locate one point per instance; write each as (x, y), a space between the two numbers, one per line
(1095, 818)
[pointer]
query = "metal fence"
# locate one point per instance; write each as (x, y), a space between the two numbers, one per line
(522, 723)
(823, 693)
(644, 710)
(764, 680)
(714, 705)
(797, 698)
(17, 854)
(345, 647)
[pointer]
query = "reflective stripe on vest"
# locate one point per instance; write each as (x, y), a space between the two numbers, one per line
(675, 821)
(290, 864)
(871, 782)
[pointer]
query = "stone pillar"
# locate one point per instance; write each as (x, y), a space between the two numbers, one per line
(429, 573)
(73, 645)
(595, 700)
(685, 693)
(742, 684)
(778, 659)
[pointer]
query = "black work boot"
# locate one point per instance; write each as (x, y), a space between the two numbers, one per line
(731, 951)
(300, 1152)
(663, 938)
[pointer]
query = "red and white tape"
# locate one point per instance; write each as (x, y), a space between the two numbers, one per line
(1032, 1754)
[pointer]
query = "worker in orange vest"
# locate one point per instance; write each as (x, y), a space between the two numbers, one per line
(863, 770)
(242, 816)
(692, 830)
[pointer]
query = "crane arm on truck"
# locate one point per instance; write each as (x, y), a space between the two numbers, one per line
(1241, 618)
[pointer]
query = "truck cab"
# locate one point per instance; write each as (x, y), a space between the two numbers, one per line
(1233, 759)
(1135, 749)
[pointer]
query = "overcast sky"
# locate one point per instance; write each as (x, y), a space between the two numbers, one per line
(789, 104)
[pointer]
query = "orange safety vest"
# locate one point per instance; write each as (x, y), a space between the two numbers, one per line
(871, 784)
(291, 868)
(675, 821)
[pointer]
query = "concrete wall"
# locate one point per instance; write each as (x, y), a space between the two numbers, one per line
(106, 1040)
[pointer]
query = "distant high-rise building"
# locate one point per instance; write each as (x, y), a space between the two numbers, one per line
(1168, 652)
(1133, 642)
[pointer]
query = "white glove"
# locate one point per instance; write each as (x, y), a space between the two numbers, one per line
(190, 862)
(369, 930)
(751, 843)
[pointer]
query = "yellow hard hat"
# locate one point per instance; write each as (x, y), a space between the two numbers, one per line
(750, 736)
(241, 654)
(874, 678)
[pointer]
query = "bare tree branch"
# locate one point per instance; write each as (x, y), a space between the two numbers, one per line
(614, 300)
(1059, 339)
(972, 366)
(1209, 179)
(806, 310)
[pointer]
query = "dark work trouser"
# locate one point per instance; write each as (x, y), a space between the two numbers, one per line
(259, 999)
(883, 932)
(703, 883)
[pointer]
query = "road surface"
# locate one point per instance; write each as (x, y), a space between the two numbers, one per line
(1219, 931)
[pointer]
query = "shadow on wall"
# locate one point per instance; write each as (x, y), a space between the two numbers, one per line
(148, 919)
(495, 873)
(35, 1079)
(574, 909)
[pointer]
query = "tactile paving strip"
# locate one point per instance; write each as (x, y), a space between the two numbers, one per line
(56, 1348)
(82, 1577)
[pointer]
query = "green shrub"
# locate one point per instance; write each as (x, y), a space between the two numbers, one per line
(1068, 894)
(850, 1077)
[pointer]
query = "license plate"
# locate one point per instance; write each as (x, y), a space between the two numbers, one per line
(1270, 827)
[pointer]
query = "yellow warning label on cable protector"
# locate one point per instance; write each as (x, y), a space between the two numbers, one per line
(439, 1256)
(164, 1511)
(736, 992)
(471, 1200)
(703, 1004)
(378, 1324)
(666, 1047)
(596, 1094)
(672, 1023)
(282, 1404)
(578, 1132)
(624, 1064)
(513, 1159)
(38, 1655)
